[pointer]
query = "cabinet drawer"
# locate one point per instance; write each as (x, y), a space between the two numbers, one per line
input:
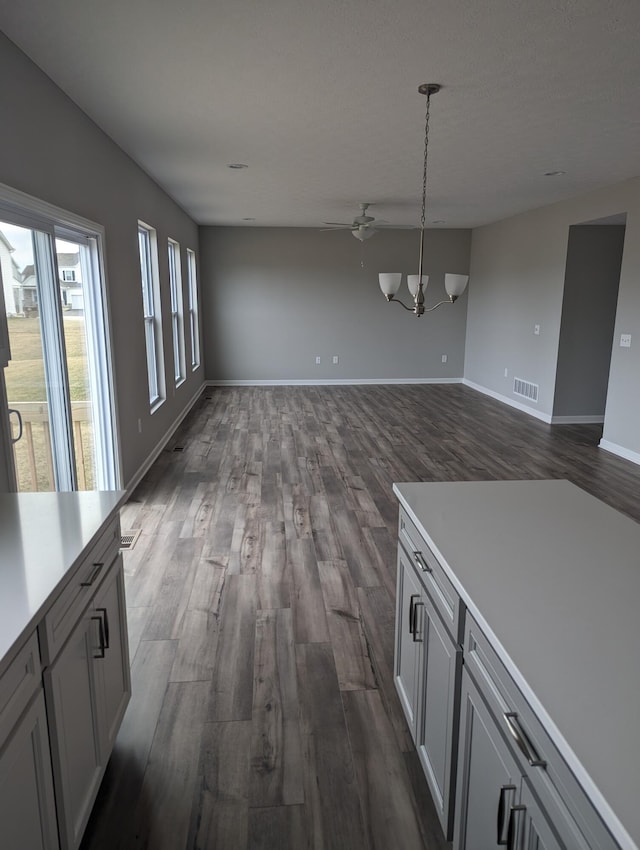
(68, 607)
(547, 774)
(18, 684)
(441, 592)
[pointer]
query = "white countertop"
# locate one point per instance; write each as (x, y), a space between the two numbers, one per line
(42, 537)
(552, 575)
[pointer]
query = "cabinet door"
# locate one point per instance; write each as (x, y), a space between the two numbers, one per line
(408, 655)
(70, 687)
(112, 658)
(438, 723)
(488, 777)
(27, 811)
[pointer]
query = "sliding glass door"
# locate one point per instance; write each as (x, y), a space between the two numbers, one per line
(57, 378)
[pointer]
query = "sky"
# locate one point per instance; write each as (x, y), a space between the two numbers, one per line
(20, 239)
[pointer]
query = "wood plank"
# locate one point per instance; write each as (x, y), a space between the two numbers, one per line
(174, 591)
(309, 618)
(231, 695)
(276, 763)
(334, 818)
(220, 802)
(353, 664)
(389, 808)
(171, 774)
(278, 828)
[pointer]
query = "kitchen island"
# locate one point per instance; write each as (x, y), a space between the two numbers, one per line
(64, 666)
(548, 583)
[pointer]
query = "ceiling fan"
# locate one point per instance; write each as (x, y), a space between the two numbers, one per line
(363, 226)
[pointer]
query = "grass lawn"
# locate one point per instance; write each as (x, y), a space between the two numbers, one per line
(25, 379)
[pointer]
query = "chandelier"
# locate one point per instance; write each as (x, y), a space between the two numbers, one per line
(455, 284)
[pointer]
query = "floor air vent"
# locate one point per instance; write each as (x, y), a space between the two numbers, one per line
(178, 448)
(128, 541)
(525, 389)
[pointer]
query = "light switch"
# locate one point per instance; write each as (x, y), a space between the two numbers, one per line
(625, 340)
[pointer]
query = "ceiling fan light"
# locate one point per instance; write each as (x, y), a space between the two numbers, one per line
(413, 283)
(362, 233)
(390, 283)
(455, 284)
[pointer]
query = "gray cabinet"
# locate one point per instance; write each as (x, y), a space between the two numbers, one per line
(427, 675)
(27, 809)
(488, 776)
(88, 688)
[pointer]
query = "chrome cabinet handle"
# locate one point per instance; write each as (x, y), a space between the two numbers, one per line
(102, 647)
(105, 614)
(515, 819)
(522, 741)
(416, 639)
(502, 806)
(412, 611)
(420, 561)
(94, 576)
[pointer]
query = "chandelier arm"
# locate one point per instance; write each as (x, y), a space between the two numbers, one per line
(439, 304)
(392, 299)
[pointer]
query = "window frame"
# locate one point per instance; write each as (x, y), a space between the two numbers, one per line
(194, 316)
(177, 311)
(152, 313)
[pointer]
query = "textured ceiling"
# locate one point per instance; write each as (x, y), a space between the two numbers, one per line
(320, 100)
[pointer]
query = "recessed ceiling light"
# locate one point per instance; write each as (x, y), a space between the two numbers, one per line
(237, 165)
(554, 173)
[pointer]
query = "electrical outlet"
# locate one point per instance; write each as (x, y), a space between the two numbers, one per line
(444, 358)
(506, 373)
(625, 340)
(318, 360)
(139, 426)
(335, 360)
(536, 330)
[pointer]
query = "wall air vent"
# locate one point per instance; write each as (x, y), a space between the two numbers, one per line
(525, 389)
(128, 541)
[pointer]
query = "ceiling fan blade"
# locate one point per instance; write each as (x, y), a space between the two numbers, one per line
(337, 224)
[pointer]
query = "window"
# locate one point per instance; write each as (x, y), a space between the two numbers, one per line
(68, 275)
(193, 309)
(58, 384)
(177, 315)
(147, 245)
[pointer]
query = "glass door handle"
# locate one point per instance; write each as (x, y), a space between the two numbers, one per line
(19, 415)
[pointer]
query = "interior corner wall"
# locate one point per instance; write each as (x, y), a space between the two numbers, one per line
(51, 150)
(517, 280)
(592, 277)
(274, 299)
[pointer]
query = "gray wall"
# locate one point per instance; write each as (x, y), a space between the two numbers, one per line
(594, 256)
(275, 298)
(50, 149)
(517, 280)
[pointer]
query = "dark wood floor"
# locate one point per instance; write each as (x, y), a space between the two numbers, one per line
(261, 612)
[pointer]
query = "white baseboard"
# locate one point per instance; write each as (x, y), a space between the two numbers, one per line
(595, 419)
(330, 382)
(151, 459)
(615, 449)
(545, 417)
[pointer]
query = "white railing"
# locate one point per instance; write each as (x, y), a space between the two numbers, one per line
(32, 452)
